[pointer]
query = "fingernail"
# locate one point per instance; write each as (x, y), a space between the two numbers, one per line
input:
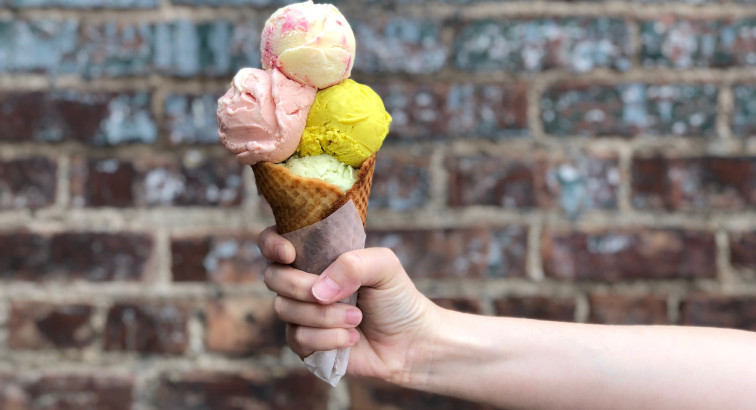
(281, 252)
(354, 336)
(353, 317)
(326, 289)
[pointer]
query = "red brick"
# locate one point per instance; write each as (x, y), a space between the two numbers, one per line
(74, 256)
(471, 252)
(200, 182)
(33, 325)
(375, 395)
(208, 390)
(401, 181)
(582, 182)
(629, 254)
(218, 259)
(694, 184)
(628, 310)
(537, 307)
(459, 304)
(243, 326)
(743, 249)
(720, 311)
(490, 180)
(147, 327)
(107, 182)
(100, 391)
(27, 183)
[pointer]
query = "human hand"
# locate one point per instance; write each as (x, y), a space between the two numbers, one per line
(392, 324)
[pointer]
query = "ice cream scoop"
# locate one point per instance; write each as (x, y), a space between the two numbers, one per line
(310, 43)
(325, 168)
(347, 121)
(262, 116)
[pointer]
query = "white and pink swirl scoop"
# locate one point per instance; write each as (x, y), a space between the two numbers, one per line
(310, 43)
(262, 116)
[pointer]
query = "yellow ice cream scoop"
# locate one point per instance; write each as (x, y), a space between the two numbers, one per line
(347, 121)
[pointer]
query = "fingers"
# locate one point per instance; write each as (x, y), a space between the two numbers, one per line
(338, 315)
(306, 340)
(275, 247)
(290, 282)
(373, 267)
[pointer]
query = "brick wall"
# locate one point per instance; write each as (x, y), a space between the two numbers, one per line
(590, 162)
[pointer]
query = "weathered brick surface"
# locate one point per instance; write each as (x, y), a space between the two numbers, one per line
(219, 259)
(583, 182)
(444, 111)
(37, 325)
(629, 109)
(681, 42)
(579, 44)
(372, 395)
(537, 307)
(210, 390)
(694, 184)
(66, 115)
(191, 118)
(78, 4)
(96, 391)
(147, 328)
(74, 256)
(27, 183)
(628, 254)
(401, 182)
(720, 311)
(473, 252)
(491, 180)
(243, 326)
(465, 305)
(744, 112)
(743, 249)
(627, 310)
(106, 182)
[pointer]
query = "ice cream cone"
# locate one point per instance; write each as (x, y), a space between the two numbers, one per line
(299, 201)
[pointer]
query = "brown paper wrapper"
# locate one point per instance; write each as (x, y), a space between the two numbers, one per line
(318, 245)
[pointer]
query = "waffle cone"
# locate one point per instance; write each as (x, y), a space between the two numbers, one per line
(299, 201)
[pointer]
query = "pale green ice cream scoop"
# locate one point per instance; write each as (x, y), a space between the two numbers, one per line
(323, 167)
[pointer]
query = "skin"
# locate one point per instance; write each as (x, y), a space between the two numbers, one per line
(398, 335)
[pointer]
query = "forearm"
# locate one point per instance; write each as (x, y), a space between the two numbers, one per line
(519, 363)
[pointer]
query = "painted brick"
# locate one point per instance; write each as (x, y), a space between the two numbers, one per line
(492, 180)
(742, 246)
(248, 390)
(443, 111)
(460, 304)
(582, 183)
(579, 44)
(627, 310)
(147, 327)
(102, 182)
(194, 181)
(96, 391)
(27, 183)
(243, 326)
(694, 184)
(630, 109)
(110, 49)
(218, 259)
(680, 42)
(628, 254)
(191, 119)
(115, 4)
(537, 307)
(35, 325)
(472, 252)
(74, 256)
(369, 394)
(398, 45)
(65, 115)
(401, 181)
(744, 112)
(719, 311)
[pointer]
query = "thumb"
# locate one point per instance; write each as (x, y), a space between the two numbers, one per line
(373, 267)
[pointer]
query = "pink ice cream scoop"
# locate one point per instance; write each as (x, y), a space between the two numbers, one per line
(263, 115)
(310, 43)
